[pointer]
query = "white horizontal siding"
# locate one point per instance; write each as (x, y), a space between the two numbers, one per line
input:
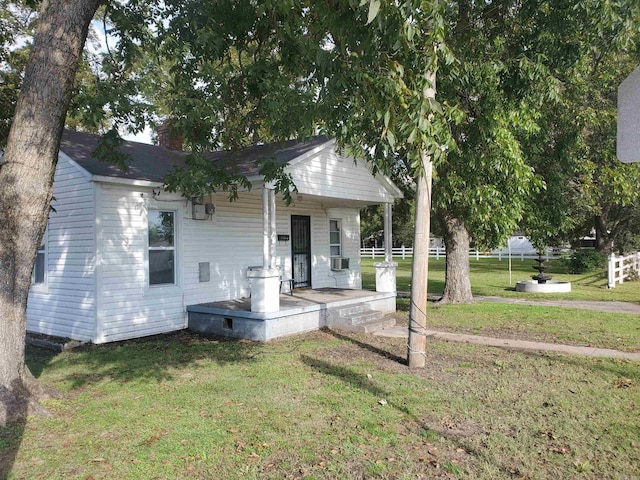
(327, 174)
(232, 241)
(128, 307)
(65, 306)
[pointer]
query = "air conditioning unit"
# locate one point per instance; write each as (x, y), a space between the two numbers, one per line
(338, 264)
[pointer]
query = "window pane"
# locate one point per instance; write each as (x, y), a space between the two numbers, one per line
(161, 267)
(160, 229)
(333, 225)
(38, 270)
(335, 251)
(334, 238)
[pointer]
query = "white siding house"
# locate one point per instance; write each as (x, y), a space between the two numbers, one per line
(107, 275)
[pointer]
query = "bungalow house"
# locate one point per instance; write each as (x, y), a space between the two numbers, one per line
(124, 258)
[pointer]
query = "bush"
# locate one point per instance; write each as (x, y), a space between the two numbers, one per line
(584, 261)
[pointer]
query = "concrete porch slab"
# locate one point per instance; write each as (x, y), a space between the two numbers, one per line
(305, 310)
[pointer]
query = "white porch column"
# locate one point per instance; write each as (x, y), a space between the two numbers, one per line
(274, 235)
(266, 249)
(265, 282)
(386, 271)
(388, 242)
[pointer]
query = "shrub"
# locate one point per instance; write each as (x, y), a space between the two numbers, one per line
(583, 261)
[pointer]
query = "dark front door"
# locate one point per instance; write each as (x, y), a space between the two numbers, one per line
(301, 250)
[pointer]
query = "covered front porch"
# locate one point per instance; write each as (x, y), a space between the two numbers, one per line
(304, 310)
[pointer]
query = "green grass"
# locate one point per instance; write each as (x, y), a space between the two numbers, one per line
(619, 331)
(184, 406)
(490, 276)
(327, 405)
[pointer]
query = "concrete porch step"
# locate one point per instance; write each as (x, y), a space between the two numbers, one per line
(365, 317)
(370, 326)
(358, 318)
(355, 309)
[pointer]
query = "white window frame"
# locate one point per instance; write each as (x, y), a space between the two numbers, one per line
(339, 231)
(174, 248)
(44, 250)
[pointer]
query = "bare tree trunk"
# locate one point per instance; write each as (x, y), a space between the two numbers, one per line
(26, 183)
(457, 283)
(420, 269)
(417, 355)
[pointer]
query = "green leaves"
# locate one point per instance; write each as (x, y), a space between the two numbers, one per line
(374, 8)
(201, 177)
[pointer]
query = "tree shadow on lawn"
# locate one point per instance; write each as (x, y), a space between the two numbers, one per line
(11, 434)
(429, 425)
(154, 358)
(366, 346)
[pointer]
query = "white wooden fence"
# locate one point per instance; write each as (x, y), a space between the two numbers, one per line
(404, 252)
(621, 267)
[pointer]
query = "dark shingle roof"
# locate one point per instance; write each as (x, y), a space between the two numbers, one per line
(153, 163)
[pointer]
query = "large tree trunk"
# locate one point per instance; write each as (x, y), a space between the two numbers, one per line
(604, 242)
(26, 183)
(457, 284)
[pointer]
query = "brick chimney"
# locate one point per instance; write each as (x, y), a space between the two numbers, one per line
(168, 138)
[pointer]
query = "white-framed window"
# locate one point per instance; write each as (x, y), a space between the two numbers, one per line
(162, 247)
(335, 238)
(39, 275)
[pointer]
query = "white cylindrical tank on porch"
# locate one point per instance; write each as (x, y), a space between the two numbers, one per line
(265, 289)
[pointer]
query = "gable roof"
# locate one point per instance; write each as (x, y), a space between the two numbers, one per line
(153, 163)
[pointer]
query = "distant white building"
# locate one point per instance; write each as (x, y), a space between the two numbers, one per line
(628, 141)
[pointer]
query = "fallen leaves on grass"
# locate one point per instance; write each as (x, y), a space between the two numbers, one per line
(560, 450)
(156, 436)
(623, 383)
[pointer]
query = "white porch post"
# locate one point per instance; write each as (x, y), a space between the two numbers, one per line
(274, 235)
(388, 242)
(386, 271)
(266, 249)
(265, 282)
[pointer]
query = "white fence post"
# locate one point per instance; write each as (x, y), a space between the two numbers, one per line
(611, 273)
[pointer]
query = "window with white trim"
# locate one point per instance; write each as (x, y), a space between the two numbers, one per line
(335, 238)
(162, 247)
(39, 275)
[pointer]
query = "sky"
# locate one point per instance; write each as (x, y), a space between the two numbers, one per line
(97, 43)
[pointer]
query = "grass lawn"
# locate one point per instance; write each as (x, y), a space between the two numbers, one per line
(326, 405)
(489, 276)
(541, 323)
